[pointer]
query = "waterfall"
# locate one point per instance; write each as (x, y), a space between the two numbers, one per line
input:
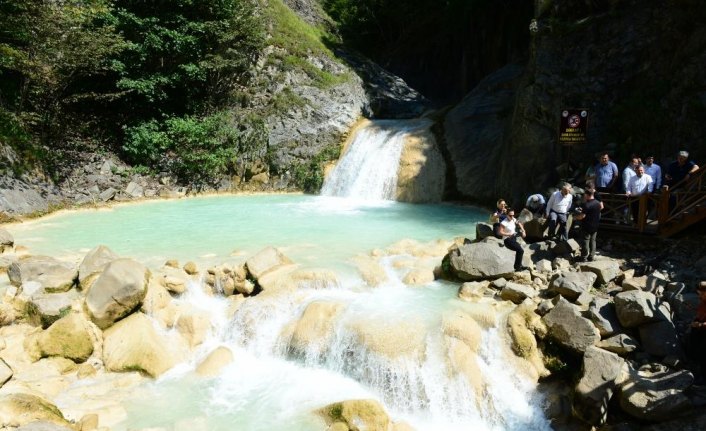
(369, 166)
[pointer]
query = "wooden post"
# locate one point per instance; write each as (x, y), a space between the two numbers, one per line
(642, 213)
(663, 209)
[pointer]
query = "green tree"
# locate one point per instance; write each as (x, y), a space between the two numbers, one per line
(54, 56)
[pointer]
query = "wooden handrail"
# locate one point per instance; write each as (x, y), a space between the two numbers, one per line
(684, 196)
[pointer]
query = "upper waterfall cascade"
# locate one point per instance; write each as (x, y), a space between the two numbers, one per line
(368, 168)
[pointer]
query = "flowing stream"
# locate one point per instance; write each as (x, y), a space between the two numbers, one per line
(386, 342)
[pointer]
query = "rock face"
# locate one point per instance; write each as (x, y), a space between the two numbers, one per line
(119, 289)
(6, 241)
(422, 170)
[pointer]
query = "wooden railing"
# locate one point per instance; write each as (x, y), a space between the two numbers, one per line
(684, 196)
(672, 208)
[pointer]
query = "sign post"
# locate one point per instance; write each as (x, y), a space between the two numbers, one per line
(573, 127)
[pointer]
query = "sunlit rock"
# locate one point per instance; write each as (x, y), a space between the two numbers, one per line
(356, 415)
(5, 372)
(419, 249)
(392, 340)
(656, 393)
(314, 330)
(191, 268)
(473, 290)
(419, 277)
(53, 275)
(464, 362)
(156, 298)
(422, 171)
(568, 328)
(133, 344)
(481, 261)
(68, 337)
(370, 270)
(119, 289)
(94, 262)
(635, 308)
(194, 326)
(522, 325)
(21, 409)
(215, 362)
(266, 260)
(606, 270)
(460, 325)
(571, 285)
(46, 308)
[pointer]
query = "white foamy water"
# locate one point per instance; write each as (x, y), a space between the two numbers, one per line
(368, 167)
(273, 386)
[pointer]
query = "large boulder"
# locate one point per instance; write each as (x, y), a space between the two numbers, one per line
(356, 415)
(606, 270)
(314, 330)
(571, 285)
(215, 362)
(117, 292)
(567, 327)
(133, 344)
(46, 308)
(655, 393)
(53, 275)
(391, 340)
(68, 337)
(660, 339)
(21, 409)
(602, 313)
(488, 259)
(93, 264)
(483, 230)
(264, 261)
(517, 292)
(600, 373)
(635, 308)
(463, 327)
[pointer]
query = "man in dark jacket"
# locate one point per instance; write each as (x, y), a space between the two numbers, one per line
(590, 216)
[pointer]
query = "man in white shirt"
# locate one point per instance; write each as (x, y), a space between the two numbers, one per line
(557, 210)
(629, 172)
(638, 185)
(653, 170)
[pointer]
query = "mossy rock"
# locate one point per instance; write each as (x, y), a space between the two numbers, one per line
(20, 409)
(357, 415)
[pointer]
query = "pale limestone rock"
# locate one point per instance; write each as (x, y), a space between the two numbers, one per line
(94, 262)
(473, 290)
(464, 361)
(194, 326)
(7, 242)
(53, 275)
(522, 324)
(46, 308)
(419, 277)
(392, 340)
(432, 249)
(357, 415)
(133, 344)
(191, 268)
(68, 337)
(265, 261)
(461, 326)
(215, 362)
(21, 409)
(516, 292)
(157, 297)
(314, 330)
(370, 269)
(118, 290)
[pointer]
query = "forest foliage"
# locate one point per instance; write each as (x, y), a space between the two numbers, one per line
(154, 81)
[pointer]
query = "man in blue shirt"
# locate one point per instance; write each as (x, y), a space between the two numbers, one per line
(606, 173)
(654, 171)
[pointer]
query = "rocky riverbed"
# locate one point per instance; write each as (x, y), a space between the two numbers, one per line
(604, 338)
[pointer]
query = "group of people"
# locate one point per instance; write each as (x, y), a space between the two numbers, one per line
(638, 178)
